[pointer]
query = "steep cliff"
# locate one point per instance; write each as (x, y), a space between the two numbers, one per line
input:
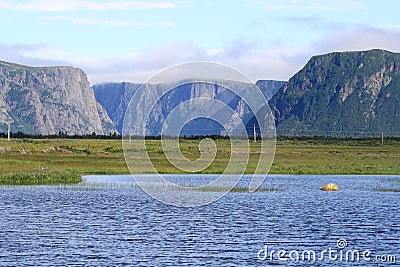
(270, 87)
(348, 93)
(49, 100)
(115, 98)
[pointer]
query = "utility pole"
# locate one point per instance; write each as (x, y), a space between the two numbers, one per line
(382, 138)
(255, 134)
(7, 121)
(9, 131)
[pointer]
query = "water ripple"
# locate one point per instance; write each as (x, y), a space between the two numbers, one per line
(103, 223)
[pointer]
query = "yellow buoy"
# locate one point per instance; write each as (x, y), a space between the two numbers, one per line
(330, 187)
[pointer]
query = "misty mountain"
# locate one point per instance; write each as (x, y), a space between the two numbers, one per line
(115, 98)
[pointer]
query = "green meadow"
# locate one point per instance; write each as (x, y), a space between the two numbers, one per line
(46, 161)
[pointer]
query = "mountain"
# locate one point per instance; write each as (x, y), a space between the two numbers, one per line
(346, 93)
(115, 97)
(340, 93)
(270, 87)
(49, 100)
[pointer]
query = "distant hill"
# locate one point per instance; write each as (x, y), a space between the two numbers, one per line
(115, 97)
(49, 100)
(348, 93)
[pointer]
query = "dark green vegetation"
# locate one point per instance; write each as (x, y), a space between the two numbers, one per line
(62, 160)
(342, 94)
(40, 178)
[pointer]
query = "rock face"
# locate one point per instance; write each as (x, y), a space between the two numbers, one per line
(115, 98)
(49, 100)
(342, 94)
(270, 87)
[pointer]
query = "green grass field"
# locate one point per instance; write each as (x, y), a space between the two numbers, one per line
(53, 158)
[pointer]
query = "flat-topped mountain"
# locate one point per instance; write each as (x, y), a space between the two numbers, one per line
(115, 98)
(49, 100)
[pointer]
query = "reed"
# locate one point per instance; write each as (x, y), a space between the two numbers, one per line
(239, 189)
(385, 190)
(39, 178)
(216, 189)
(391, 185)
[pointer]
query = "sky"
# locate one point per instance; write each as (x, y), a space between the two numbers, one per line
(115, 41)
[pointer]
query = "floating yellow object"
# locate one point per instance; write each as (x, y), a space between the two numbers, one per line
(330, 187)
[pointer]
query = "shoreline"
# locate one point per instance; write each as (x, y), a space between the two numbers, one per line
(309, 156)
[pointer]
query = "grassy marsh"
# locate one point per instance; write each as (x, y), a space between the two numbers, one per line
(60, 157)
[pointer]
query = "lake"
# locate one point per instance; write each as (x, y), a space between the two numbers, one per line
(109, 221)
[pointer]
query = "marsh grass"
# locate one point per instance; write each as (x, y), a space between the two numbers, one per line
(131, 186)
(134, 186)
(99, 186)
(391, 180)
(385, 190)
(393, 186)
(39, 178)
(238, 189)
(86, 156)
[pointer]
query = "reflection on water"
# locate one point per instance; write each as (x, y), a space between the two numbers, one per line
(109, 221)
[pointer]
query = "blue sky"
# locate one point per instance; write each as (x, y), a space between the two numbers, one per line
(132, 40)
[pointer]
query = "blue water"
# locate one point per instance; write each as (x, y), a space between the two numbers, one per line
(108, 221)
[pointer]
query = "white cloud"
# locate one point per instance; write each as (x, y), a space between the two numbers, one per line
(212, 52)
(257, 61)
(139, 66)
(34, 55)
(71, 5)
(309, 4)
(359, 38)
(390, 27)
(96, 21)
(316, 23)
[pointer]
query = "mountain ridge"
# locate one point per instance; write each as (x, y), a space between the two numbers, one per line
(341, 93)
